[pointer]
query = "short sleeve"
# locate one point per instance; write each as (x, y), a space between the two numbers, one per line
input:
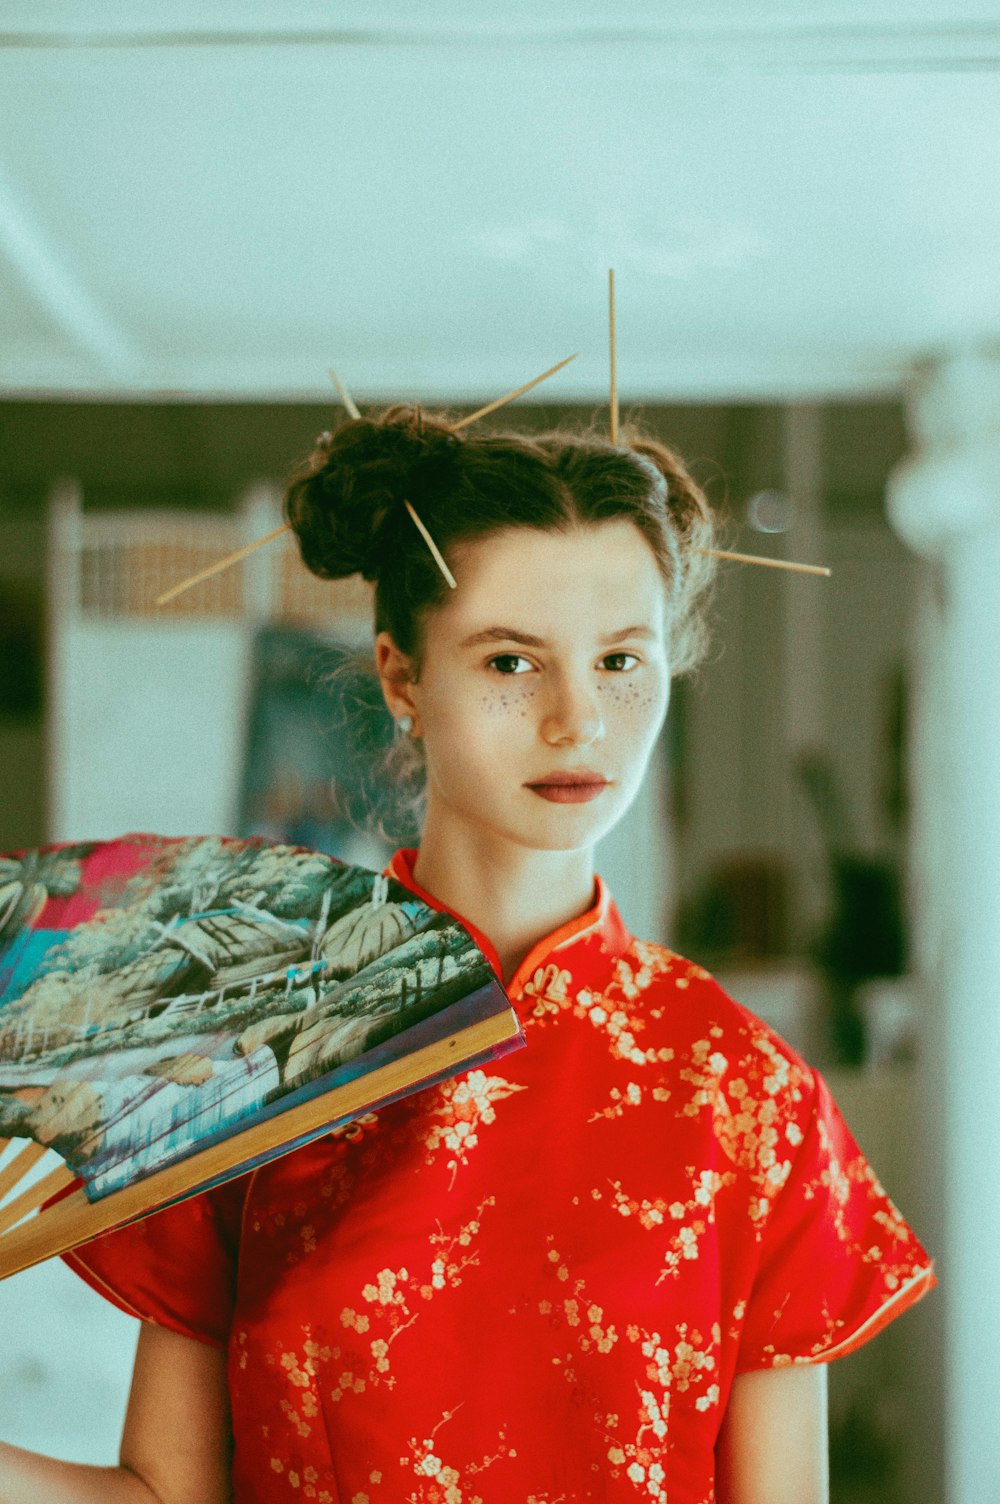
(176, 1267)
(837, 1261)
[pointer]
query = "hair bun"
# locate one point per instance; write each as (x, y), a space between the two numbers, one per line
(345, 504)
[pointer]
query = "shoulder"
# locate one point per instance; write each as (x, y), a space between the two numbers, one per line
(658, 1009)
(684, 992)
(176, 1267)
(711, 1033)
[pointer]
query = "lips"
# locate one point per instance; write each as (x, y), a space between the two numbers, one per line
(573, 786)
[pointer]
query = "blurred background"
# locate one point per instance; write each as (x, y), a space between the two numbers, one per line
(203, 207)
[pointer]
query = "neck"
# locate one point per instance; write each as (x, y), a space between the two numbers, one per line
(512, 894)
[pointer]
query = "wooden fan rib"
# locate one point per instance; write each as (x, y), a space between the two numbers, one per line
(75, 1220)
(17, 1167)
(30, 1200)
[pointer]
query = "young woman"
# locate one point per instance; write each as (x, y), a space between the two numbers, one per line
(612, 1265)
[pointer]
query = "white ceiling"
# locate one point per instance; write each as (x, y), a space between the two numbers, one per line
(223, 199)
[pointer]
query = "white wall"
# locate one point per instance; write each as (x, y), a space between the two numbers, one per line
(147, 727)
(67, 1362)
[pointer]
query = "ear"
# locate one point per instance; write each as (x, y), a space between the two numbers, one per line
(395, 671)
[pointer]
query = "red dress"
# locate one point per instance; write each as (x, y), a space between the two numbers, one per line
(535, 1283)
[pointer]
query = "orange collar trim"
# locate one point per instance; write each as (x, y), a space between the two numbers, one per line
(601, 916)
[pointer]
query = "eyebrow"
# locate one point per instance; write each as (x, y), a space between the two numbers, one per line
(528, 640)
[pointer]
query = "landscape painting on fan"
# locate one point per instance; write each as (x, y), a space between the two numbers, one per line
(156, 993)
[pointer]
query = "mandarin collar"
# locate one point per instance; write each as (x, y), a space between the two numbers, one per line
(601, 922)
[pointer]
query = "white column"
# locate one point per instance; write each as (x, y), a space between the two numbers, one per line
(945, 502)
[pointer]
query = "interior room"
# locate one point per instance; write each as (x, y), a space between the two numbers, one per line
(203, 212)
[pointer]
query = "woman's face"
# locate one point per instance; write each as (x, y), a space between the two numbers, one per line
(547, 662)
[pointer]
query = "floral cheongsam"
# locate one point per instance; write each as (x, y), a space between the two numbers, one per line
(535, 1283)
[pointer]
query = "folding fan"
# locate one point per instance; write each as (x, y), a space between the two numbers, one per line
(175, 1012)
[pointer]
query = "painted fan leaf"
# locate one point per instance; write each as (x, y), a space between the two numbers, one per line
(158, 994)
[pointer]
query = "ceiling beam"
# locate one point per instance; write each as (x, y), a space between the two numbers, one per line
(862, 44)
(56, 288)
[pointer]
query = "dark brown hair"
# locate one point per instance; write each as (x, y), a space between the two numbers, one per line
(345, 505)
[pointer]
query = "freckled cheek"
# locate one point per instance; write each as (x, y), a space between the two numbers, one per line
(508, 702)
(633, 705)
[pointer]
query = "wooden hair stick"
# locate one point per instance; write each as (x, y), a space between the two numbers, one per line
(436, 552)
(219, 566)
(345, 396)
(722, 553)
(502, 401)
(249, 548)
(348, 401)
(614, 356)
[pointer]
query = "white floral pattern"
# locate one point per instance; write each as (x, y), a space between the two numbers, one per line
(537, 1284)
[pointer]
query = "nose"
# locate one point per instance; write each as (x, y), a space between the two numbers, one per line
(573, 716)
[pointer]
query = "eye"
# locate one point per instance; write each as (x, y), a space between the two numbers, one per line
(510, 663)
(620, 663)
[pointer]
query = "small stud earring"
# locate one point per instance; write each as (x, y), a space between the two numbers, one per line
(405, 725)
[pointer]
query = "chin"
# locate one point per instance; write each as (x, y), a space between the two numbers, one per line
(566, 843)
(561, 834)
